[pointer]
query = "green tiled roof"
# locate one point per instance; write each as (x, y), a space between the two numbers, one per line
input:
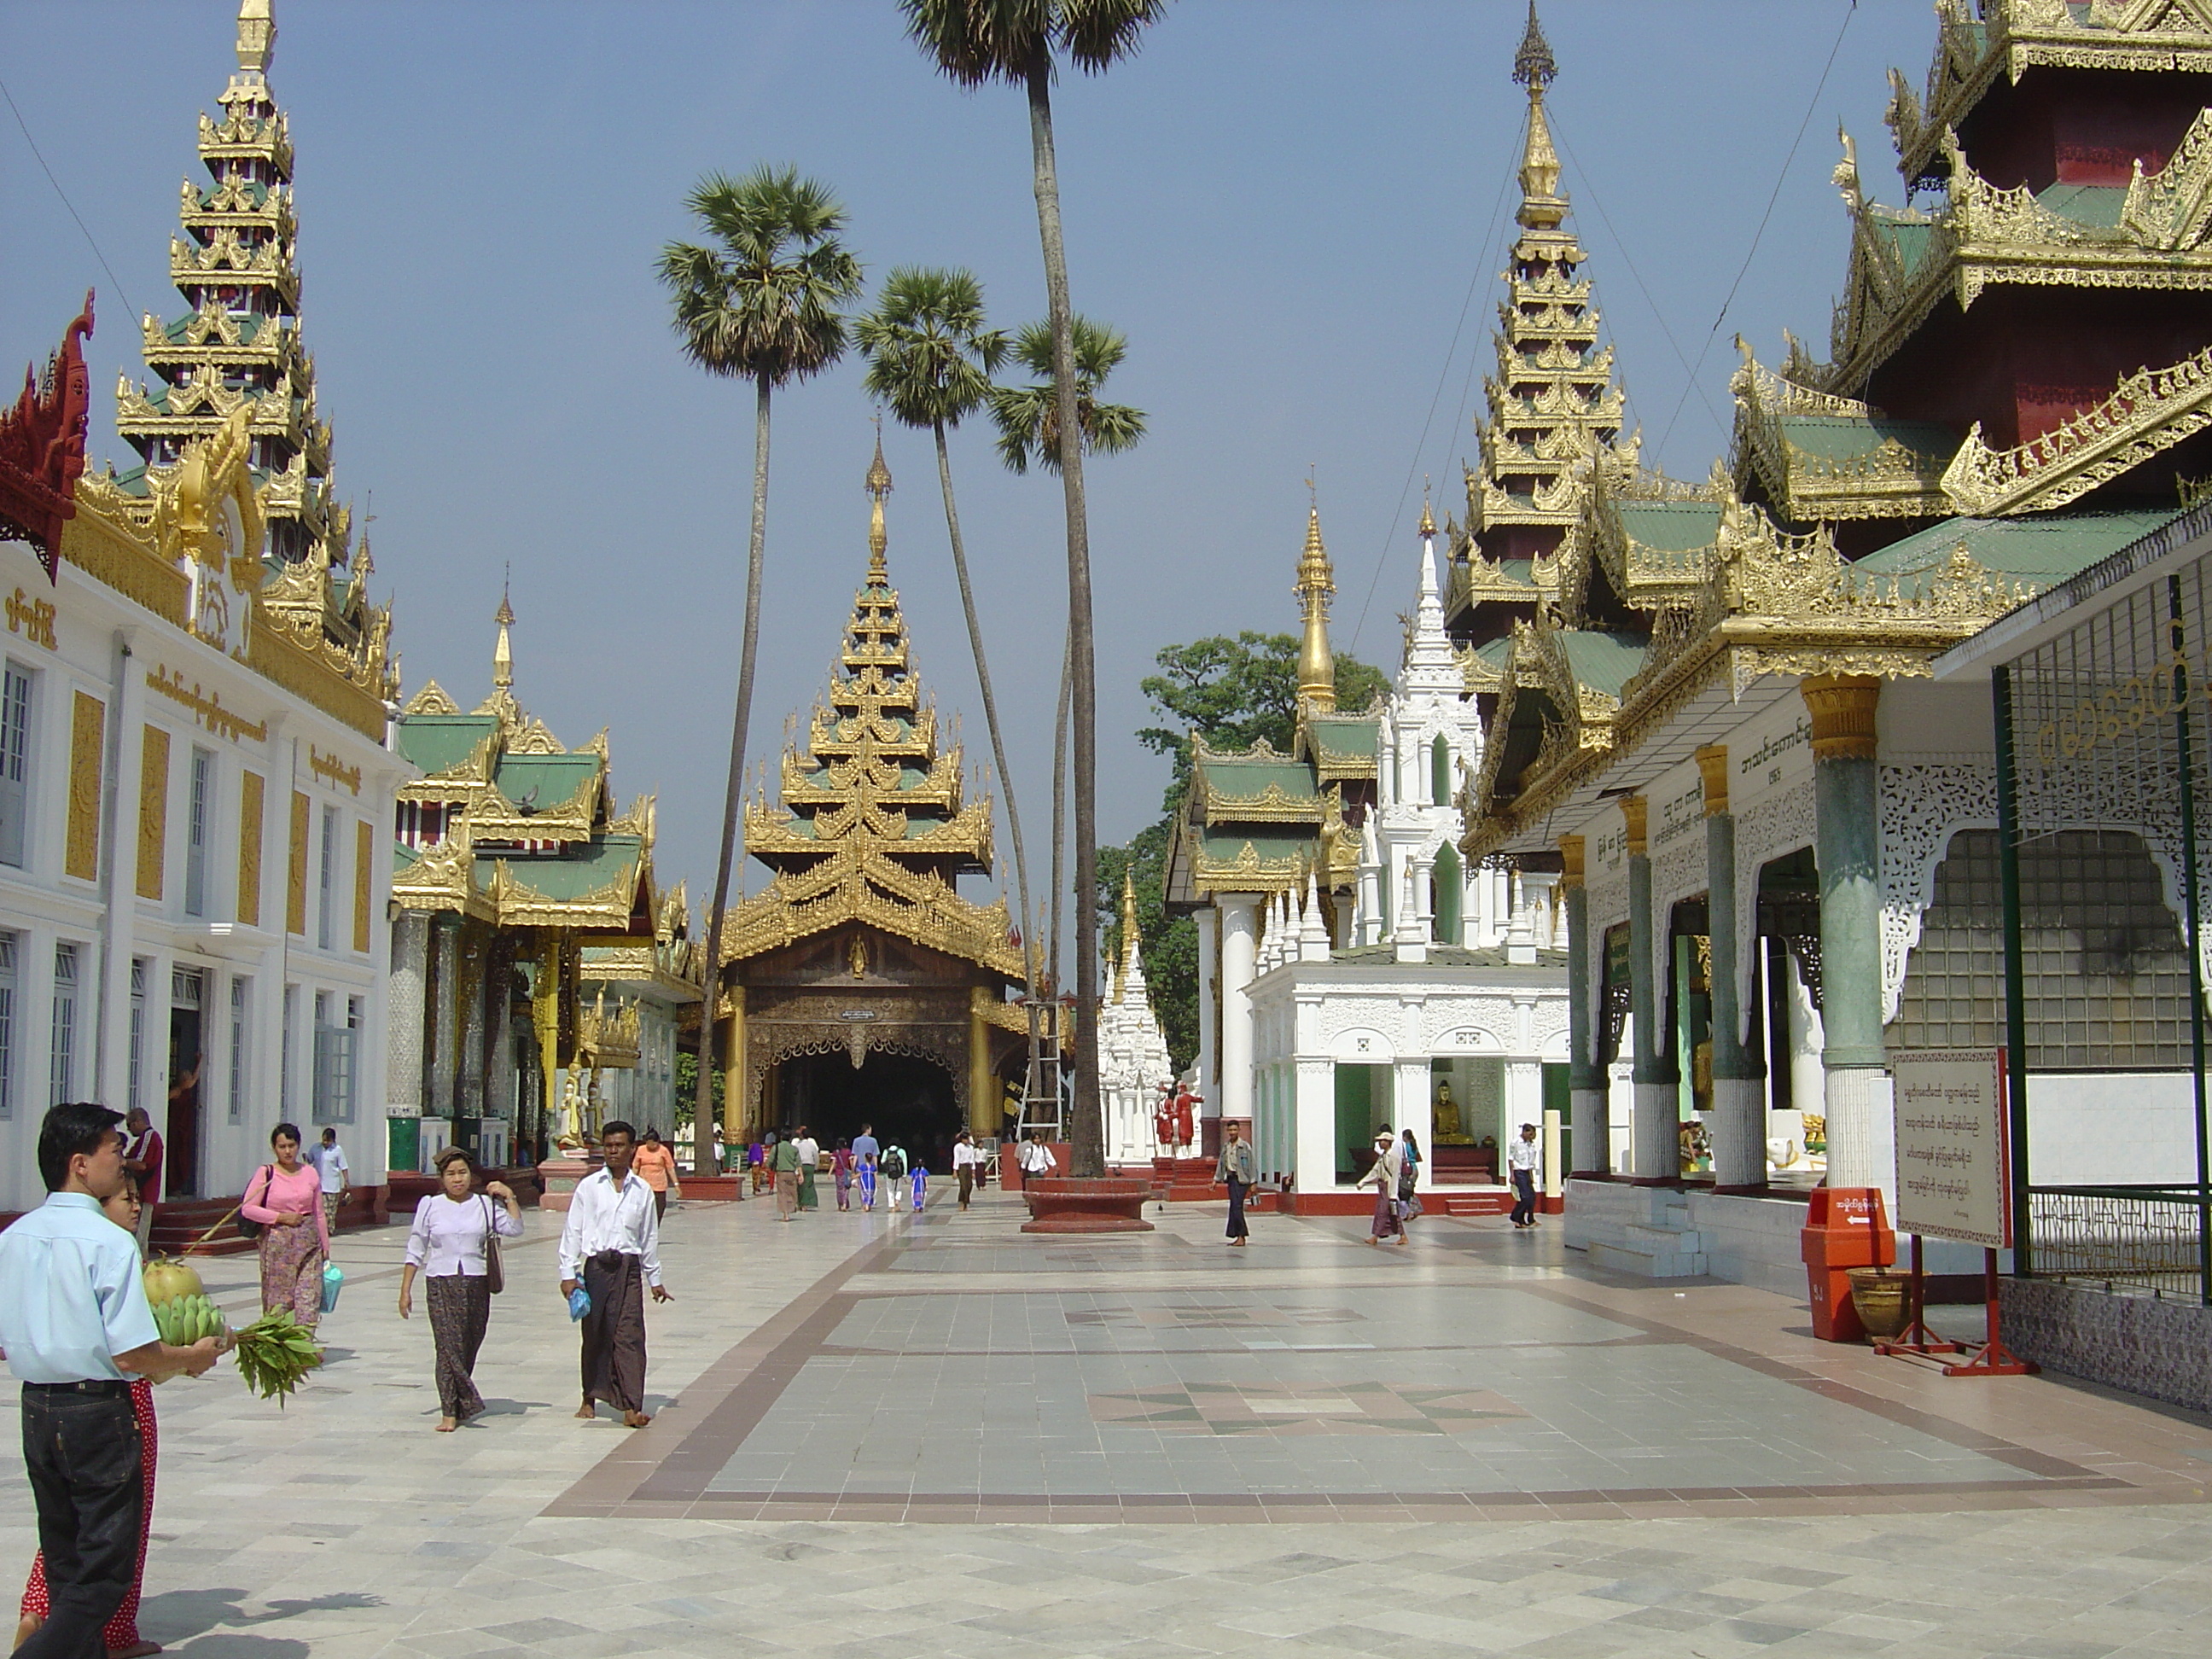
(2039, 550)
(1227, 847)
(1911, 241)
(438, 743)
(2096, 206)
(1604, 662)
(1494, 652)
(1671, 526)
(1344, 734)
(1225, 776)
(544, 781)
(1848, 437)
(573, 876)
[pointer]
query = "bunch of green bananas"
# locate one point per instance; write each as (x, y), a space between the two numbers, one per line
(274, 1352)
(184, 1320)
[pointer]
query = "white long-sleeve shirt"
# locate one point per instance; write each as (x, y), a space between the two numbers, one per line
(1524, 1155)
(600, 1217)
(448, 1238)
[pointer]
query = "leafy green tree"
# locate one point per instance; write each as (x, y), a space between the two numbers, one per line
(1232, 692)
(930, 359)
(758, 299)
(1016, 41)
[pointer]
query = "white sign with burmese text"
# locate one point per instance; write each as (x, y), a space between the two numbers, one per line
(1953, 1181)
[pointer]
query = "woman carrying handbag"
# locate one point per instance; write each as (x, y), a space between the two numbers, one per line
(454, 1243)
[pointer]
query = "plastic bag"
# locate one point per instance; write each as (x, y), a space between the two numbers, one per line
(333, 1282)
(580, 1303)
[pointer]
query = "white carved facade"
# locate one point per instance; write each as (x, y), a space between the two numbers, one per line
(1133, 1061)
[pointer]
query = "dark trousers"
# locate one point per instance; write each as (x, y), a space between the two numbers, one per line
(967, 1183)
(1237, 1191)
(82, 1453)
(1525, 1197)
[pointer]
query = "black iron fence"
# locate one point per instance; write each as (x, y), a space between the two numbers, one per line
(2143, 1241)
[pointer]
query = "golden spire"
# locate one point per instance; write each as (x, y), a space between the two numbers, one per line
(257, 35)
(1534, 67)
(879, 485)
(502, 654)
(1128, 930)
(1428, 525)
(1316, 581)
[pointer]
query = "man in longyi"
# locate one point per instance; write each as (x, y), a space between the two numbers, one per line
(611, 1244)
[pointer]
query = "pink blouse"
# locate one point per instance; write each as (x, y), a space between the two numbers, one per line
(298, 1194)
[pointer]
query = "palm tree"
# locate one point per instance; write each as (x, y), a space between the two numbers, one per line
(974, 42)
(758, 301)
(930, 359)
(1028, 419)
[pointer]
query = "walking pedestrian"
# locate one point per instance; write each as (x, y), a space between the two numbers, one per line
(756, 1163)
(868, 1159)
(141, 1158)
(1239, 1166)
(810, 1165)
(330, 1161)
(450, 1245)
(841, 1172)
(121, 1637)
(610, 1245)
(967, 1164)
(1409, 1176)
(656, 1166)
(1036, 1158)
(722, 1158)
(1383, 1177)
(784, 1160)
(76, 1325)
(290, 1196)
(1523, 1159)
(920, 1180)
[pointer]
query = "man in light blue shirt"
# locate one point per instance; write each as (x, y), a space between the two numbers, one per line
(866, 1155)
(74, 1320)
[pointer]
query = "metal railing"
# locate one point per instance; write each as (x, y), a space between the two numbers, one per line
(2142, 1241)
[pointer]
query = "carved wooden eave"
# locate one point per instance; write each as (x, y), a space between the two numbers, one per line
(1888, 480)
(443, 878)
(2149, 411)
(1985, 236)
(1478, 675)
(1273, 805)
(2009, 37)
(858, 884)
(431, 700)
(609, 1038)
(493, 816)
(1247, 871)
(1578, 720)
(516, 903)
(769, 832)
(642, 820)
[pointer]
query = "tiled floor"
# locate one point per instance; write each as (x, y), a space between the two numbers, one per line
(1474, 1444)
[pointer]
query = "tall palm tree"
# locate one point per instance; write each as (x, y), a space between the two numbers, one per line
(930, 359)
(758, 300)
(1028, 419)
(974, 42)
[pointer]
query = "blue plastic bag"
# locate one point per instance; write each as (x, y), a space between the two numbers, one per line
(333, 1282)
(580, 1303)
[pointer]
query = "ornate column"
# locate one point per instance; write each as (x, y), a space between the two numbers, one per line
(1239, 954)
(1586, 1079)
(1658, 1143)
(445, 1068)
(1410, 1105)
(1739, 1078)
(983, 1099)
(734, 1073)
(1861, 1138)
(1209, 1016)
(405, 1009)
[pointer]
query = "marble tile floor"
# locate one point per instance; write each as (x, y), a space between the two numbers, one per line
(927, 1435)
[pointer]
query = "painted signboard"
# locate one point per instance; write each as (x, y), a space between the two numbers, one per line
(1953, 1174)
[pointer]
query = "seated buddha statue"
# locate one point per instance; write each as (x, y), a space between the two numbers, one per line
(1444, 1127)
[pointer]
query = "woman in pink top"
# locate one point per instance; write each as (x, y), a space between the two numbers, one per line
(286, 1197)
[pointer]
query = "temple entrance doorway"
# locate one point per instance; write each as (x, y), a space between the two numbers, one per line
(910, 1101)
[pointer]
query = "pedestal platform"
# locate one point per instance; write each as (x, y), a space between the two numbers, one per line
(1109, 1204)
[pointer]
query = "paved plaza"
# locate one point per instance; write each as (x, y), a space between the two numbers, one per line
(929, 1435)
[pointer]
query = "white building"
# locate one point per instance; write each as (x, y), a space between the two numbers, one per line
(1133, 1051)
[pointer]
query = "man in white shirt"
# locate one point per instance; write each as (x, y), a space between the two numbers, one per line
(1523, 1159)
(1036, 1158)
(329, 1162)
(611, 1244)
(967, 1165)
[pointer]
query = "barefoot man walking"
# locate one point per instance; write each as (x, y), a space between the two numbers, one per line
(611, 1244)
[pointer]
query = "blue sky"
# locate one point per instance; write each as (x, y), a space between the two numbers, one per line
(1295, 210)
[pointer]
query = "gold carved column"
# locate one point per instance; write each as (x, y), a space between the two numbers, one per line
(983, 1097)
(734, 1068)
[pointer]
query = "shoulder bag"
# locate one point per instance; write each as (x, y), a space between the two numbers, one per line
(253, 1229)
(495, 1269)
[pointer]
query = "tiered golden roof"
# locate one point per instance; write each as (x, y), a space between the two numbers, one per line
(874, 824)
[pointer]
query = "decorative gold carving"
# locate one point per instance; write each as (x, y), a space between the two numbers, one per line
(1635, 815)
(431, 700)
(309, 672)
(1572, 853)
(364, 854)
(333, 769)
(295, 897)
(1713, 772)
(2150, 410)
(1273, 805)
(1888, 480)
(105, 542)
(206, 707)
(1842, 708)
(33, 618)
(609, 1041)
(856, 956)
(1249, 872)
(88, 738)
(250, 798)
(152, 810)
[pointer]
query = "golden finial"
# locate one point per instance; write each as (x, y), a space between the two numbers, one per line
(502, 654)
(879, 485)
(1428, 526)
(1316, 581)
(1128, 930)
(257, 35)
(1534, 67)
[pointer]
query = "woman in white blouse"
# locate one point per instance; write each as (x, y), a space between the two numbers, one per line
(449, 1246)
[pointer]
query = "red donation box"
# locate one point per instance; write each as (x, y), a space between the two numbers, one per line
(1844, 1228)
